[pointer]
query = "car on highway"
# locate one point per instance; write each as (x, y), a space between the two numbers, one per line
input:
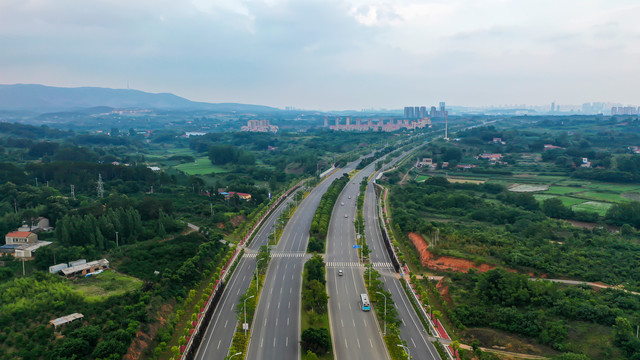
(340, 272)
(349, 196)
(341, 204)
(346, 215)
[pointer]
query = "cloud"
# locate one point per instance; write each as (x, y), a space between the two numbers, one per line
(328, 54)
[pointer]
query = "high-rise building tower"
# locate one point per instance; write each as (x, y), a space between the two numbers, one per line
(408, 112)
(442, 106)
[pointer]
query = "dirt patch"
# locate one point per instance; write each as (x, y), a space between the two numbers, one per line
(444, 291)
(587, 225)
(631, 196)
(528, 188)
(500, 340)
(444, 263)
(462, 181)
(237, 220)
(143, 340)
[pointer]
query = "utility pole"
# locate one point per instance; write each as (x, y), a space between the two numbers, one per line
(117, 239)
(257, 262)
(73, 191)
(36, 182)
(211, 209)
(22, 266)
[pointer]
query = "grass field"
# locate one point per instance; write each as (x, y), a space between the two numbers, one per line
(109, 283)
(201, 166)
(563, 190)
(567, 201)
(598, 196)
(422, 178)
(594, 206)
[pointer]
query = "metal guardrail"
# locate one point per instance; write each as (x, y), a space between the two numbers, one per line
(394, 259)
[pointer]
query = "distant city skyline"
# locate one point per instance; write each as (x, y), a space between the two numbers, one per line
(330, 54)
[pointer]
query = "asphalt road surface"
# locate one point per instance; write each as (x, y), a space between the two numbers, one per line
(219, 334)
(276, 328)
(355, 333)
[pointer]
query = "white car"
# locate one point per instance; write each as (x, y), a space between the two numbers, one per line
(341, 204)
(340, 272)
(346, 215)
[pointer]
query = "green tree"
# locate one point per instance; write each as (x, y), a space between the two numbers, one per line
(316, 340)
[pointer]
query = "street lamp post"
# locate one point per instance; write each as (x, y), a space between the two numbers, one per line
(258, 262)
(406, 348)
(245, 314)
(385, 312)
(234, 355)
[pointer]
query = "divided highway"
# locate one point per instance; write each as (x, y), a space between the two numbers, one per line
(276, 328)
(355, 333)
(217, 339)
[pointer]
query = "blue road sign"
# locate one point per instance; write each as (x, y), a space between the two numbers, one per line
(356, 246)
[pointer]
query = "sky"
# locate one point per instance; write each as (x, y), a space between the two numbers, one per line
(329, 54)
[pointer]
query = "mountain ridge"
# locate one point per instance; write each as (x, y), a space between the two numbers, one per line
(43, 99)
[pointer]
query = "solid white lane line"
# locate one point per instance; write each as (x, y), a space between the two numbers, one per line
(219, 342)
(414, 343)
(358, 340)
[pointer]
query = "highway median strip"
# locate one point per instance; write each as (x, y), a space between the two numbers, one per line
(315, 330)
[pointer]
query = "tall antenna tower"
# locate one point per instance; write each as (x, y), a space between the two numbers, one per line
(73, 191)
(100, 186)
(446, 127)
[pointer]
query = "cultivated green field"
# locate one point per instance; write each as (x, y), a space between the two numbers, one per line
(567, 201)
(201, 166)
(563, 190)
(594, 206)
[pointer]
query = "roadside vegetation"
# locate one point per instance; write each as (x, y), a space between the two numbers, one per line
(320, 223)
(316, 333)
(540, 210)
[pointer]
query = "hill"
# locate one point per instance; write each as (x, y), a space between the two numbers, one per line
(43, 99)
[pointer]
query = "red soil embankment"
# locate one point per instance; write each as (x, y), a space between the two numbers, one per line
(445, 262)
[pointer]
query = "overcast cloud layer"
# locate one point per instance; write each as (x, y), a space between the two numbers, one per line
(328, 54)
